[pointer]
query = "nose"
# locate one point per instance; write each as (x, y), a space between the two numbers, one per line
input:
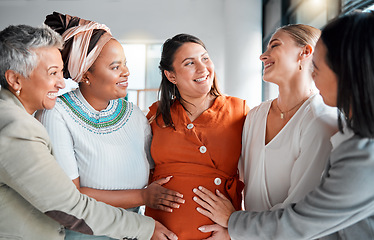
(200, 66)
(264, 56)
(60, 82)
(125, 71)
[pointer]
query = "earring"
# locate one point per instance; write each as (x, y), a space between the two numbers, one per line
(88, 82)
(18, 92)
(300, 66)
(174, 96)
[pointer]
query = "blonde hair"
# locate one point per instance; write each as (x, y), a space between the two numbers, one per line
(302, 34)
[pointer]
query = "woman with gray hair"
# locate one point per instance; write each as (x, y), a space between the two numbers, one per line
(36, 197)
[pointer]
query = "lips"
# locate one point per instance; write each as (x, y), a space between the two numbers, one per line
(122, 84)
(267, 65)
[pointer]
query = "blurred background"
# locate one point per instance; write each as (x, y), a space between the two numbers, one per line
(234, 31)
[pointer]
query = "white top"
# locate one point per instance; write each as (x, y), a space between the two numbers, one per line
(291, 164)
(107, 149)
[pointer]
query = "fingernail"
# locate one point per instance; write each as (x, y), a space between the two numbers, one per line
(200, 188)
(195, 198)
(201, 228)
(217, 190)
(198, 209)
(178, 206)
(194, 190)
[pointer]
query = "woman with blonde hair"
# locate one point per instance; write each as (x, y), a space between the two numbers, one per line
(286, 140)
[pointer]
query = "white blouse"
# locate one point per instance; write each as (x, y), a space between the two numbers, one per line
(291, 164)
(108, 149)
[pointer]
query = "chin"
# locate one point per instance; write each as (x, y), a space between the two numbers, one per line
(49, 105)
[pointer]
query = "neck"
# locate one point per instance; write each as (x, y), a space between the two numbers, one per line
(293, 93)
(196, 106)
(95, 102)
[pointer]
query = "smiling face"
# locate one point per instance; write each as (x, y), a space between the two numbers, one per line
(39, 90)
(281, 59)
(108, 77)
(325, 79)
(193, 71)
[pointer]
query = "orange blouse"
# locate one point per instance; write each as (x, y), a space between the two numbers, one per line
(204, 152)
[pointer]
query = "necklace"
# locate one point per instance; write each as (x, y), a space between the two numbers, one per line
(284, 112)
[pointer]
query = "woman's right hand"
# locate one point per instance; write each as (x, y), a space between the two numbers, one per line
(158, 197)
(162, 233)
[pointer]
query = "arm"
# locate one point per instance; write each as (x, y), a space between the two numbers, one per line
(343, 198)
(32, 172)
(154, 196)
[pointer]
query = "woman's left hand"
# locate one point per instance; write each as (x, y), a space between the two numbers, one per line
(218, 232)
(216, 207)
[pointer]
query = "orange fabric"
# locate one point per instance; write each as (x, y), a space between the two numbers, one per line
(178, 153)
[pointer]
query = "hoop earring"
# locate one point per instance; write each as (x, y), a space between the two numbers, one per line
(18, 92)
(174, 96)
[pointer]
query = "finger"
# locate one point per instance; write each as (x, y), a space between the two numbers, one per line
(170, 235)
(162, 181)
(208, 228)
(202, 203)
(205, 213)
(209, 193)
(219, 194)
(207, 198)
(168, 203)
(167, 193)
(164, 208)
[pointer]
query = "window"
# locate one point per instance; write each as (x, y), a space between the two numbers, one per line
(145, 76)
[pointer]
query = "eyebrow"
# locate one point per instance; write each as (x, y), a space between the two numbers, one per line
(115, 62)
(271, 41)
(190, 58)
(52, 67)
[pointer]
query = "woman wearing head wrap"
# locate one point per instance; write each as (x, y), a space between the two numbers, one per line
(99, 139)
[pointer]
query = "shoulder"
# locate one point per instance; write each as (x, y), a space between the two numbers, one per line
(259, 109)
(152, 110)
(318, 114)
(234, 103)
(16, 122)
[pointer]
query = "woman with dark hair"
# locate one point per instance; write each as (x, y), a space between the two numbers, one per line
(101, 140)
(196, 133)
(342, 206)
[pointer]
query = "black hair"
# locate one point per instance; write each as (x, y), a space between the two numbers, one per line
(349, 41)
(168, 92)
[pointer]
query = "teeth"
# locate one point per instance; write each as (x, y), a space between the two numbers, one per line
(200, 79)
(269, 64)
(121, 83)
(55, 94)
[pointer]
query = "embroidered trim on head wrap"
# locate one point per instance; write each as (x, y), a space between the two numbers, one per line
(79, 61)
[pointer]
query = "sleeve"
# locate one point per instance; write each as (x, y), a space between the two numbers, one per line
(315, 148)
(245, 143)
(147, 136)
(62, 140)
(344, 197)
(33, 173)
